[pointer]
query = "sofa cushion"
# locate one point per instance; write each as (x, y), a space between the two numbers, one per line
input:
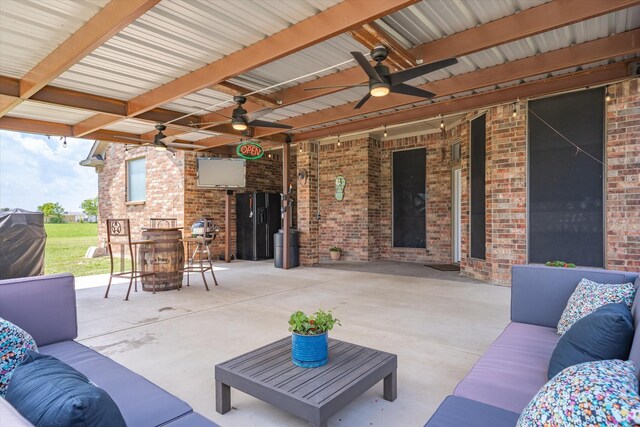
(191, 420)
(141, 402)
(458, 411)
(513, 369)
(44, 306)
(588, 296)
(49, 392)
(592, 393)
(634, 354)
(604, 334)
(9, 416)
(14, 344)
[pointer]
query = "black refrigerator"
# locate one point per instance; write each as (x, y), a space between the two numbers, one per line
(257, 219)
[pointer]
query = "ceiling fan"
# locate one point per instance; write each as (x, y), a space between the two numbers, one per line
(241, 119)
(382, 81)
(163, 142)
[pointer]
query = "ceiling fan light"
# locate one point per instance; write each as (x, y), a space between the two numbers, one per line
(379, 90)
(239, 125)
(160, 148)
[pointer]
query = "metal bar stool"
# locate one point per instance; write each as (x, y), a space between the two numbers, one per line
(120, 230)
(197, 247)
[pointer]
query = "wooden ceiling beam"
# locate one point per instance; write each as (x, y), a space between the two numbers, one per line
(8, 103)
(42, 127)
(112, 18)
(536, 20)
(372, 35)
(234, 89)
(600, 75)
(573, 56)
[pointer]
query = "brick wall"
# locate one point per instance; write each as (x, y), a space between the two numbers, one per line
(623, 177)
(438, 182)
(307, 202)
(506, 194)
(345, 223)
(164, 188)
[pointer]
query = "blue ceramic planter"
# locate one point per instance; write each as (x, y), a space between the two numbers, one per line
(309, 351)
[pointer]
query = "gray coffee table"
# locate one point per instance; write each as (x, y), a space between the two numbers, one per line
(313, 394)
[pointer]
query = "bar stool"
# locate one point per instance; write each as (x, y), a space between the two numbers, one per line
(120, 230)
(198, 251)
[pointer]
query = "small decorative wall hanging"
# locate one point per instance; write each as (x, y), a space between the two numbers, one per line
(341, 182)
(302, 176)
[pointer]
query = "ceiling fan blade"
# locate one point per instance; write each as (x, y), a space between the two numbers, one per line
(412, 73)
(168, 139)
(249, 117)
(371, 72)
(183, 145)
(171, 150)
(266, 124)
(411, 90)
(362, 101)
(335, 86)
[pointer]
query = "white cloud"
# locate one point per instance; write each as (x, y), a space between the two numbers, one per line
(35, 170)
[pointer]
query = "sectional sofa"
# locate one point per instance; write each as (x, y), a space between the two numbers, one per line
(514, 368)
(45, 307)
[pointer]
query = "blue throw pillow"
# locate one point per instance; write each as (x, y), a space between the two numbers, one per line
(48, 393)
(607, 333)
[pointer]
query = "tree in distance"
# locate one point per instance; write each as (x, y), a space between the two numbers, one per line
(90, 206)
(53, 212)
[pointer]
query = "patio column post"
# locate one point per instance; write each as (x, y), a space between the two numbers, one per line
(308, 202)
(286, 235)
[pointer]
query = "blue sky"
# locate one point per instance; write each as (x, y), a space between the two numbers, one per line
(35, 170)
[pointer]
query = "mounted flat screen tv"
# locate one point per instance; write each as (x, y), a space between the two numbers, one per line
(214, 172)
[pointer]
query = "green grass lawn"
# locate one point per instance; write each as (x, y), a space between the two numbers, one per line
(66, 246)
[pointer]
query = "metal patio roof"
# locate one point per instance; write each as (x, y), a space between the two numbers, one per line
(89, 68)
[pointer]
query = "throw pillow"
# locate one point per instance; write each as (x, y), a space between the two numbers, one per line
(588, 296)
(589, 394)
(14, 343)
(48, 393)
(606, 333)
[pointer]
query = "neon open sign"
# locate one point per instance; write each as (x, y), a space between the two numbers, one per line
(250, 150)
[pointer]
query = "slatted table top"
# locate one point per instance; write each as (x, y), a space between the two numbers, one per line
(314, 394)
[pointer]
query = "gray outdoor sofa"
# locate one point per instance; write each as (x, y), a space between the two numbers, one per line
(45, 306)
(514, 368)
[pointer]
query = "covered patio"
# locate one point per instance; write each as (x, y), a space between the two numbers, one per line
(488, 136)
(437, 323)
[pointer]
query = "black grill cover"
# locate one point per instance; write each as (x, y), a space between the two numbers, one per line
(22, 239)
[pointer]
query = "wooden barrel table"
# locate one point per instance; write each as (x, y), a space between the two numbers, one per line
(168, 262)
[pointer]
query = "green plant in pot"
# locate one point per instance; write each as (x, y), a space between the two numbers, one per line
(335, 252)
(309, 338)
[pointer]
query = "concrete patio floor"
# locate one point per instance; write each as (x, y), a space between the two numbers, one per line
(438, 324)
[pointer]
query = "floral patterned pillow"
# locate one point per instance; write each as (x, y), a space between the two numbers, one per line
(589, 394)
(589, 296)
(14, 343)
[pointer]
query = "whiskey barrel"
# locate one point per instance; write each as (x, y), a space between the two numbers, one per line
(168, 261)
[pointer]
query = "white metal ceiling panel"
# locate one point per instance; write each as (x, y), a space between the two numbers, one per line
(32, 29)
(179, 36)
(48, 112)
(131, 126)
